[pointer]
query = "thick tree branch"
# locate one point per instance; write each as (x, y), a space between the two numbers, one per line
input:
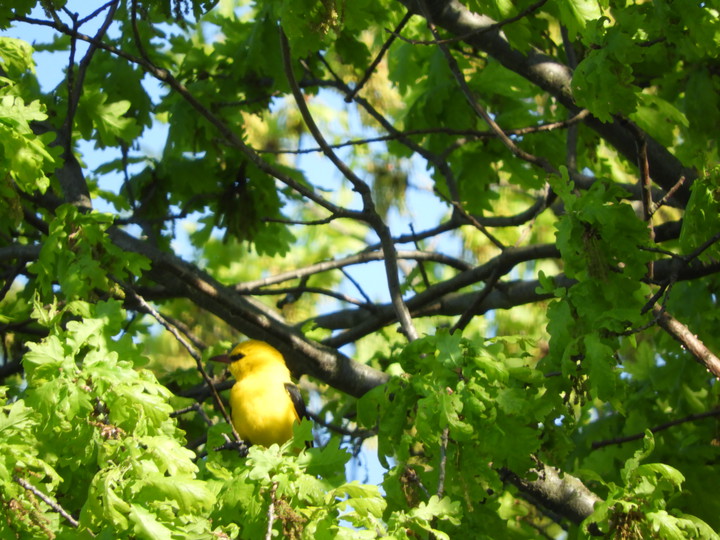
(502, 264)
(252, 319)
(19, 251)
(442, 298)
(557, 491)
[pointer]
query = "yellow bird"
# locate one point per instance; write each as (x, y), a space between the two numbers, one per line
(264, 401)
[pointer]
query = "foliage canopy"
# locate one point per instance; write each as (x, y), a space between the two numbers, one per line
(487, 232)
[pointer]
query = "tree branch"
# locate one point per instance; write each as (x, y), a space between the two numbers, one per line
(360, 258)
(479, 109)
(655, 429)
(555, 78)
(441, 299)
(230, 136)
(558, 491)
(47, 500)
(369, 214)
(687, 339)
(253, 319)
(503, 263)
(369, 71)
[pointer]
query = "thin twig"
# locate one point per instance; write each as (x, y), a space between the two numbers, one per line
(271, 512)
(359, 258)
(646, 193)
(656, 206)
(136, 33)
(421, 266)
(701, 248)
(307, 223)
(655, 429)
(231, 138)
(441, 164)
(469, 313)
(341, 430)
(357, 183)
(191, 350)
(473, 133)
(474, 222)
(97, 12)
(443, 462)
(650, 304)
(296, 292)
(47, 500)
(369, 214)
(357, 285)
(194, 407)
(664, 288)
(483, 135)
(369, 71)
(185, 329)
(75, 81)
(422, 301)
(444, 227)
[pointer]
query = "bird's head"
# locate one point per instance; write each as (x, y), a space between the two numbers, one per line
(249, 354)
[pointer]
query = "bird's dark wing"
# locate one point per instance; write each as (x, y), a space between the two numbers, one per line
(299, 403)
(297, 400)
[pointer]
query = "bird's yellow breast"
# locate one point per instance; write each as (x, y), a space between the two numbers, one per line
(262, 411)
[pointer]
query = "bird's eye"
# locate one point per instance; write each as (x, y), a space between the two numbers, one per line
(237, 356)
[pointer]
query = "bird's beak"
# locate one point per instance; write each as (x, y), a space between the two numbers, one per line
(222, 358)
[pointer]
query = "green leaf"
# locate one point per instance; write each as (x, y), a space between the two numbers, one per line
(107, 118)
(702, 103)
(659, 117)
(44, 360)
(325, 461)
(701, 223)
(190, 495)
(364, 499)
(633, 463)
(602, 367)
(24, 155)
(15, 416)
(444, 509)
(603, 80)
(577, 13)
(665, 471)
(146, 524)
(16, 58)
